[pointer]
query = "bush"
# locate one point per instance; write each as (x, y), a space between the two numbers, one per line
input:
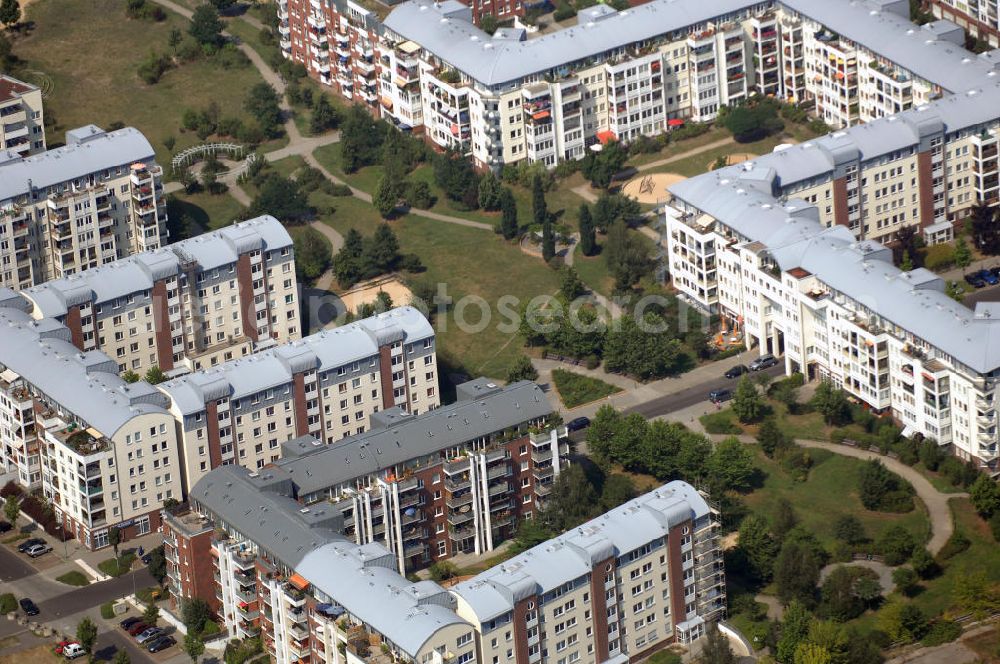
(8, 604)
(108, 610)
(720, 422)
(563, 12)
(337, 189)
(942, 631)
(939, 256)
(11, 488)
(955, 545)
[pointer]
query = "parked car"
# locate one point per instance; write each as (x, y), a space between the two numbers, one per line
(74, 650)
(137, 628)
(989, 277)
(718, 396)
(149, 633)
(737, 371)
(28, 606)
(975, 280)
(995, 271)
(763, 362)
(5, 527)
(578, 423)
(160, 643)
(63, 644)
(129, 622)
(28, 543)
(38, 550)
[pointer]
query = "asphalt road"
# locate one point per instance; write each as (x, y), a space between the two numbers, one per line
(696, 394)
(986, 294)
(14, 566)
(109, 643)
(95, 594)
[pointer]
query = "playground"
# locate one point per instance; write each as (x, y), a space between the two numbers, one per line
(652, 188)
(367, 291)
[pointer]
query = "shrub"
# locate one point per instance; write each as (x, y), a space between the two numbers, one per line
(108, 610)
(563, 12)
(720, 422)
(11, 488)
(337, 189)
(942, 631)
(955, 545)
(939, 256)
(7, 603)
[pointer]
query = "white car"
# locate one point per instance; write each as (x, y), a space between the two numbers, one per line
(38, 549)
(74, 650)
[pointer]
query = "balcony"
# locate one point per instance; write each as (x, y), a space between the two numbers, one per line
(459, 501)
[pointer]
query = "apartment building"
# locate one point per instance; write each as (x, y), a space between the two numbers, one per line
(22, 119)
(617, 588)
(103, 452)
(91, 202)
(186, 306)
(283, 572)
(834, 306)
(979, 19)
(325, 385)
(457, 479)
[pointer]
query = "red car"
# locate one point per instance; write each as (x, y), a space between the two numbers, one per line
(62, 646)
(137, 628)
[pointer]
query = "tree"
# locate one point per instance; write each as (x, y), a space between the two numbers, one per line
(548, 240)
(758, 546)
(10, 12)
(157, 564)
(86, 634)
(194, 614)
(282, 198)
(985, 496)
(923, 563)
(796, 571)
(154, 375)
(848, 529)
(312, 254)
(539, 208)
(324, 116)
(784, 518)
(715, 649)
(11, 507)
(794, 628)
(896, 545)
(151, 614)
(489, 191)
(770, 437)
(601, 167)
(454, 173)
(114, 539)
(263, 104)
(508, 214)
(131, 377)
(633, 349)
(206, 26)
(747, 402)
(907, 263)
(731, 466)
(601, 432)
(572, 501)
(752, 121)
(588, 234)
(617, 490)
(810, 653)
(385, 197)
(610, 208)
(831, 402)
(571, 287)
(963, 255)
(626, 255)
(222, 6)
(488, 23)
(838, 597)
(121, 657)
(360, 140)
(985, 228)
(974, 593)
(905, 580)
(522, 369)
(194, 647)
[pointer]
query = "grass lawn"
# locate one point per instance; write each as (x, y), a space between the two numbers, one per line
(593, 271)
(712, 135)
(42, 654)
(700, 163)
(124, 565)
(74, 578)
(100, 85)
(209, 211)
(470, 261)
(829, 492)
(576, 389)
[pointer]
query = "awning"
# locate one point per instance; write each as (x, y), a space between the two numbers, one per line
(298, 581)
(675, 122)
(540, 115)
(386, 102)
(605, 136)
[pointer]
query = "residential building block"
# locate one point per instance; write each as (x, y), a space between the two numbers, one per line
(22, 119)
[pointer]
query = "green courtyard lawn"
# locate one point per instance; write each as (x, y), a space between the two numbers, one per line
(679, 147)
(471, 261)
(209, 211)
(702, 162)
(830, 491)
(124, 564)
(99, 85)
(576, 389)
(593, 271)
